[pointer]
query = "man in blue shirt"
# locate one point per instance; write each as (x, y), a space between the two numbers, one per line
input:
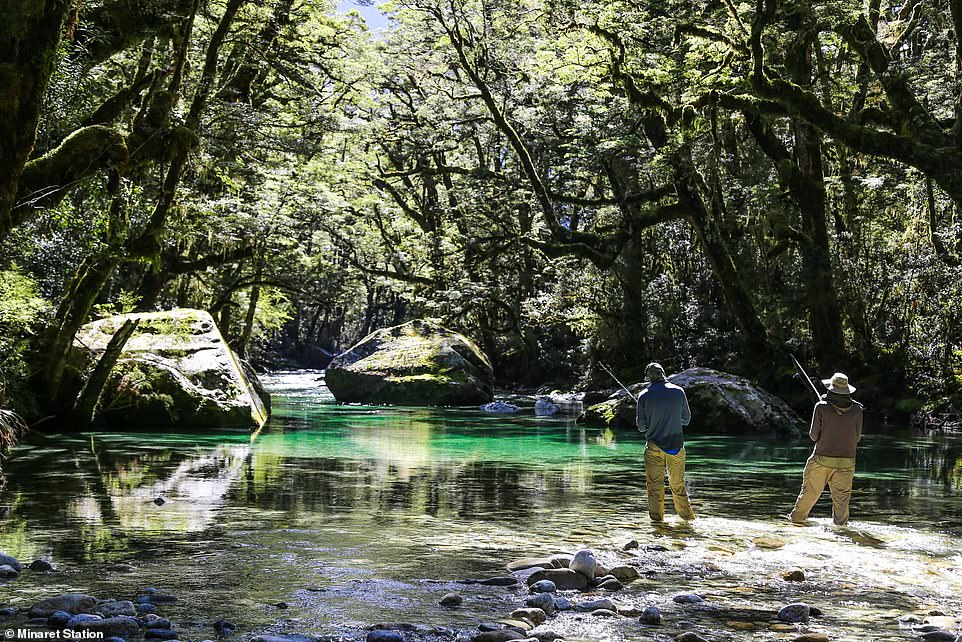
(662, 412)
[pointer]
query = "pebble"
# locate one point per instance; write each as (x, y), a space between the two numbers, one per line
(793, 613)
(593, 605)
(563, 604)
(544, 586)
(688, 598)
(689, 636)
(536, 616)
(651, 615)
(543, 601)
(76, 620)
(41, 566)
(160, 634)
(794, 575)
(451, 599)
(584, 562)
(11, 561)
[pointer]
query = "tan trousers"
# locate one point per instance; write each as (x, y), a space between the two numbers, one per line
(838, 473)
(656, 462)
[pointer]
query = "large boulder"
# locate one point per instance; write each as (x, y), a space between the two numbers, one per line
(720, 403)
(175, 371)
(417, 363)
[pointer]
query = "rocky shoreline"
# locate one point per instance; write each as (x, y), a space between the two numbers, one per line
(555, 597)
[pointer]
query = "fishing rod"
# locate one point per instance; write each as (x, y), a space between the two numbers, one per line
(811, 386)
(612, 375)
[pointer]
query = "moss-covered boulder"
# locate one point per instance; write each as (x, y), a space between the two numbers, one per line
(720, 403)
(175, 371)
(419, 363)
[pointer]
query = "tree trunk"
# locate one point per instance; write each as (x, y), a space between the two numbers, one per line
(85, 407)
(29, 38)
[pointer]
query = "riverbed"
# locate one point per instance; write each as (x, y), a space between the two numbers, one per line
(333, 518)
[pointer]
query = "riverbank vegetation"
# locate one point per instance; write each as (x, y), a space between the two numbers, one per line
(705, 183)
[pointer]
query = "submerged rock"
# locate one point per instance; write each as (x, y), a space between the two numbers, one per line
(451, 599)
(11, 561)
(40, 566)
(175, 371)
(720, 402)
(72, 603)
(500, 408)
(689, 636)
(625, 573)
(499, 581)
(794, 575)
(565, 579)
(81, 618)
(384, 635)
(793, 613)
(8, 572)
(120, 626)
(594, 605)
(533, 614)
(416, 363)
(119, 607)
(651, 615)
(688, 598)
(544, 408)
(501, 635)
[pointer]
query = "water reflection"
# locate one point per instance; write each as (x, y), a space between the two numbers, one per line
(349, 513)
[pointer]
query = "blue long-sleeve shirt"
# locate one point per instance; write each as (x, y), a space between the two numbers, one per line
(662, 413)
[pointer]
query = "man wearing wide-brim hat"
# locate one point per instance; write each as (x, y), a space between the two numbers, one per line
(836, 430)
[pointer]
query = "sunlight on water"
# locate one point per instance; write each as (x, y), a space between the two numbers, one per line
(353, 515)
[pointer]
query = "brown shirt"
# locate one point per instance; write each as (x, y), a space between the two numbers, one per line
(836, 431)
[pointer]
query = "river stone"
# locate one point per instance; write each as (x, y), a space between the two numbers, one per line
(382, 635)
(584, 562)
(40, 566)
(8, 611)
(111, 609)
(594, 605)
(8, 572)
(544, 408)
(604, 613)
(688, 598)
(155, 598)
(546, 635)
(812, 637)
(535, 615)
(543, 601)
(938, 636)
(565, 579)
(721, 402)
(156, 622)
(561, 560)
(417, 363)
(120, 626)
(72, 603)
(290, 637)
(499, 408)
(544, 586)
(611, 584)
(625, 573)
(11, 561)
(76, 620)
(651, 615)
(563, 604)
(793, 613)
(502, 635)
(175, 371)
(794, 575)
(689, 636)
(451, 599)
(58, 620)
(531, 562)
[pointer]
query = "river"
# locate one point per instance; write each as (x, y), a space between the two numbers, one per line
(333, 518)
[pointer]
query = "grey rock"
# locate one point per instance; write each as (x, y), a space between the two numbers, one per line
(651, 616)
(146, 607)
(689, 636)
(793, 613)
(546, 635)
(8, 572)
(382, 635)
(543, 601)
(76, 620)
(490, 626)
(563, 604)
(544, 586)
(594, 605)
(544, 408)
(160, 634)
(688, 598)
(40, 566)
(502, 635)
(72, 603)
(584, 562)
(500, 408)
(534, 615)
(499, 581)
(451, 599)
(58, 620)
(291, 637)
(156, 622)
(531, 562)
(630, 545)
(8, 611)
(565, 579)
(625, 573)
(938, 636)
(417, 363)
(155, 598)
(611, 585)
(118, 607)
(604, 613)
(560, 560)
(114, 638)
(224, 627)
(120, 626)
(11, 561)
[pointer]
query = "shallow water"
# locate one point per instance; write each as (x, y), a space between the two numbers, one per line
(354, 515)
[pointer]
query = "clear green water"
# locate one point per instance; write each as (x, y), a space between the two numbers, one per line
(356, 515)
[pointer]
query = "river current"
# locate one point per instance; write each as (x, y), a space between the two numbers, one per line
(333, 518)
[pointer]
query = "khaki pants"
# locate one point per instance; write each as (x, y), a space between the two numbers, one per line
(838, 473)
(656, 462)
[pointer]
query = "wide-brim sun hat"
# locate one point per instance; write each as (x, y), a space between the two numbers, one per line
(839, 383)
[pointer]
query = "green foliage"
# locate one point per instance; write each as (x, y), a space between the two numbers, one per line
(22, 315)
